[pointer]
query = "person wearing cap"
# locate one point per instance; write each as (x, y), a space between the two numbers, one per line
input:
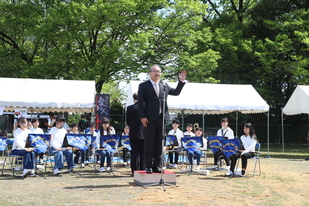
(83, 123)
(152, 95)
(176, 149)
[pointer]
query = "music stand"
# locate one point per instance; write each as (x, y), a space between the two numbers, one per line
(125, 141)
(78, 140)
(40, 143)
(110, 144)
(215, 146)
(170, 143)
(192, 144)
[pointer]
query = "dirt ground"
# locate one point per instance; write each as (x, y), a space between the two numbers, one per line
(283, 182)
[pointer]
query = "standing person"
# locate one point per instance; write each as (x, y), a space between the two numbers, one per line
(150, 107)
(136, 136)
(228, 133)
(105, 129)
(36, 130)
(83, 123)
(198, 153)
(177, 149)
(248, 141)
(58, 134)
(20, 138)
(52, 120)
(189, 129)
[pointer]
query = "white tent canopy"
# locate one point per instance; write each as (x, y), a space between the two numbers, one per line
(298, 102)
(200, 98)
(43, 95)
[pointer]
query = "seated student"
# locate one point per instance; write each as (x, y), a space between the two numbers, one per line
(248, 141)
(227, 132)
(58, 134)
(36, 130)
(78, 153)
(198, 153)
(94, 134)
(177, 149)
(126, 131)
(105, 129)
(189, 130)
(20, 138)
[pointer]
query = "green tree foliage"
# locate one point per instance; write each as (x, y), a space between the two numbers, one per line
(97, 40)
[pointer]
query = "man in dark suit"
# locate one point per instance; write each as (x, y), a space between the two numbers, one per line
(151, 106)
(136, 136)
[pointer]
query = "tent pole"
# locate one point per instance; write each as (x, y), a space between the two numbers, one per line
(203, 122)
(282, 133)
(267, 135)
(182, 120)
(237, 124)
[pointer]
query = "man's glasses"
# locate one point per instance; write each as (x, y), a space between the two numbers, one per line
(156, 71)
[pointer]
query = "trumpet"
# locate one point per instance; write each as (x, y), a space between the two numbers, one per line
(195, 125)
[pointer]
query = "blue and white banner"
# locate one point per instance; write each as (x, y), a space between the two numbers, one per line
(214, 143)
(40, 142)
(126, 142)
(81, 141)
(110, 142)
(3, 144)
(171, 140)
(191, 144)
(230, 146)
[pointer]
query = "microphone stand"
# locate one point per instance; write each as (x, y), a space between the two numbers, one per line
(161, 182)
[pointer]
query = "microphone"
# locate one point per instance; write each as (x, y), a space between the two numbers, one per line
(164, 83)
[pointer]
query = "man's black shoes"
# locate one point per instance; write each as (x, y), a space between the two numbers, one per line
(149, 170)
(156, 170)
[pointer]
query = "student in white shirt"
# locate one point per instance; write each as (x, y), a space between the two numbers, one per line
(226, 132)
(58, 134)
(177, 149)
(105, 129)
(78, 153)
(20, 138)
(248, 141)
(37, 130)
(94, 135)
(189, 130)
(198, 153)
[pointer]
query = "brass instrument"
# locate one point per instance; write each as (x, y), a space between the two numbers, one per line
(195, 125)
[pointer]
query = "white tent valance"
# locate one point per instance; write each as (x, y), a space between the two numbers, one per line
(298, 102)
(201, 98)
(44, 95)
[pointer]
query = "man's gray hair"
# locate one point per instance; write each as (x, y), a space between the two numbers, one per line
(155, 65)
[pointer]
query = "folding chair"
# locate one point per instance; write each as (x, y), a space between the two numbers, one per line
(3, 148)
(257, 160)
(18, 159)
